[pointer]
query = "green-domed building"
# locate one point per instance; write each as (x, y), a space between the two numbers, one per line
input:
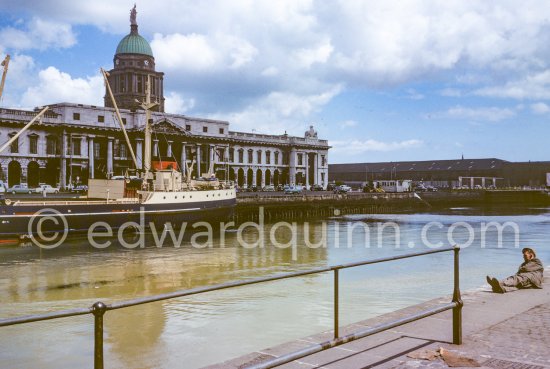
(133, 62)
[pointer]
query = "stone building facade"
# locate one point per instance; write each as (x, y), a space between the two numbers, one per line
(75, 142)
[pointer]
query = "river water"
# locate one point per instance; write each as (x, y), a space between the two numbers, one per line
(209, 328)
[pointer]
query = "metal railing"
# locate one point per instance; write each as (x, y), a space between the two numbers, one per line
(99, 309)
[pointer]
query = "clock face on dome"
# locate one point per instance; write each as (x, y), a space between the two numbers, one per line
(117, 61)
(146, 62)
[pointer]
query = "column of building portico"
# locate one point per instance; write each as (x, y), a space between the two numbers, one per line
(483, 182)
(156, 148)
(292, 167)
(110, 157)
(306, 161)
(254, 175)
(64, 146)
(198, 160)
(183, 168)
(316, 171)
(213, 159)
(169, 150)
(236, 176)
(91, 157)
(263, 177)
(471, 182)
(139, 152)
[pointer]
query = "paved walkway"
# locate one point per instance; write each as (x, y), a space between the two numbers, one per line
(506, 331)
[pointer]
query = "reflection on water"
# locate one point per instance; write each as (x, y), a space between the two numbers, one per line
(208, 328)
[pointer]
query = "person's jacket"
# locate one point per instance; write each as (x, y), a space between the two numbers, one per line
(534, 270)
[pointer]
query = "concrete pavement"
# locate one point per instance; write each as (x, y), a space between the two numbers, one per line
(499, 331)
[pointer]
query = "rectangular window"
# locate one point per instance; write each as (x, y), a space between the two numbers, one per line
(259, 157)
(75, 145)
(241, 156)
(231, 155)
(33, 144)
(250, 159)
(140, 84)
(187, 127)
(276, 158)
(14, 147)
(124, 121)
(268, 157)
(76, 116)
(323, 160)
(122, 151)
(300, 159)
(101, 119)
(221, 131)
(205, 129)
(97, 150)
(51, 146)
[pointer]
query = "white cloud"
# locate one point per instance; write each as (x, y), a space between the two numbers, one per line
(278, 111)
(38, 34)
(176, 104)
(540, 108)
(55, 86)
(197, 52)
(354, 147)
(490, 114)
(451, 92)
(347, 124)
(414, 95)
(309, 56)
(531, 86)
(192, 52)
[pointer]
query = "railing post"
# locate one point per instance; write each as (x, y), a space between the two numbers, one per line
(336, 303)
(98, 309)
(457, 310)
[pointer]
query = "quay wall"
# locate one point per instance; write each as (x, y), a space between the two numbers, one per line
(286, 207)
(278, 206)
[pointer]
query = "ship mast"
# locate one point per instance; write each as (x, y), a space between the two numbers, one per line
(119, 118)
(147, 105)
(5, 63)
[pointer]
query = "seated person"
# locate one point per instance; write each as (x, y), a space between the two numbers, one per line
(529, 275)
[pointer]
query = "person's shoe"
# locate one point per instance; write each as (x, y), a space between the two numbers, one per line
(495, 285)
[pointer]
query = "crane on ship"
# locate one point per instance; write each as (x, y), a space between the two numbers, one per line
(4, 64)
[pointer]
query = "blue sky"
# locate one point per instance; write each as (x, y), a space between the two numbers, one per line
(381, 80)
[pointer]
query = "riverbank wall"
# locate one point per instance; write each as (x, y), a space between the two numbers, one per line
(279, 206)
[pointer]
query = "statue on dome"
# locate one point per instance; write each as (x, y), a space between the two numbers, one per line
(133, 14)
(311, 133)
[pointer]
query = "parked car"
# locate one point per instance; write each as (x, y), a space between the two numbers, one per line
(331, 187)
(280, 187)
(80, 188)
(22, 188)
(3, 187)
(342, 189)
(47, 188)
(294, 190)
(317, 187)
(420, 188)
(431, 188)
(269, 188)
